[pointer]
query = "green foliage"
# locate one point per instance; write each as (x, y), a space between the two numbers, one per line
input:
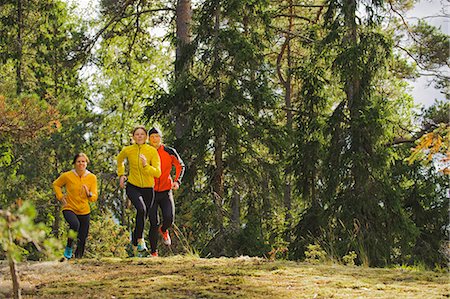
(106, 238)
(225, 114)
(251, 239)
(130, 65)
(428, 49)
(353, 200)
(349, 259)
(50, 46)
(225, 98)
(315, 254)
(425, 199)
(17, 229)
(432, 48)
(49, 126)
(436, 114)
(6, 157)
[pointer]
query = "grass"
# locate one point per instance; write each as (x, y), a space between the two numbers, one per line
(191, 277)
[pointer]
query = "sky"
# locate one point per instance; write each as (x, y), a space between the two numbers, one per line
(423, 94)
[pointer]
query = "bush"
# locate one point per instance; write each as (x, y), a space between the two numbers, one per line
(315, 254)
(106, 238)
(349, 259)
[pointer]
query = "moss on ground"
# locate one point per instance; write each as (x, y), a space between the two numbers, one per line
(191, 277)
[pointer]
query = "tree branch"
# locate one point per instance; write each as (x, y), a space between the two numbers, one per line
(303, 5)
(279, 58)
(117, 18)
(403, 21)
(294, 34)
(293, 16)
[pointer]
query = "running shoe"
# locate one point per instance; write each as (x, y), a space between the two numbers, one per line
(166, 237)
(141, 246)
(68, 252)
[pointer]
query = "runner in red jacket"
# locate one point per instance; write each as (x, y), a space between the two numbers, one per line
(163, 190)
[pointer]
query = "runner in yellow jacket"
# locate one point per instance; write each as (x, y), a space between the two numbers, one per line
(144, 166)
(80, 189)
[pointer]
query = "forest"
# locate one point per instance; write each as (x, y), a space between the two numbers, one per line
(295, 121)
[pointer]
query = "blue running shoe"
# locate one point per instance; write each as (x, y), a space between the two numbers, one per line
(141, 246)
(68, 252)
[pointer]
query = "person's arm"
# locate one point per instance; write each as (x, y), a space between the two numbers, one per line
(121, 168)
(121, 163)
(179, 167)
(93, 193)
(57, 186)
(154, 167)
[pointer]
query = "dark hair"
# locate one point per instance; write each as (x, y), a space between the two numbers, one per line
(155, 131)
(137, 128)
(80, 155)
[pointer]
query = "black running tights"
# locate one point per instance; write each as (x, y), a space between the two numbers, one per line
(142, 199)
(80, 225)
(164, 200)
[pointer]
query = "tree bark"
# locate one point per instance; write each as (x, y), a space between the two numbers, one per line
(182, 60)
(355, 105)
(287, 83)
(236, 210)
(12, 267)
(267, 206)
(19, 48)
(183, 36)
(218, 176)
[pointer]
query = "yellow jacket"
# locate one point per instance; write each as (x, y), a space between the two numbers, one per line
(76, 197)
(139, 176)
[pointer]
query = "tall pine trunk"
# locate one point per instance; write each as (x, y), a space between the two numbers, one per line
(355, 103)
(352, 85)
(359, 204)
(182, 59)
(183, 36)
(219, 142)
(287, 85)
(236, 210)
(218, 176)
(19, 48)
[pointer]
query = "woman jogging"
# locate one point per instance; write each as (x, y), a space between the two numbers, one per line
(144, 167)
(163, 190)
(80, 188)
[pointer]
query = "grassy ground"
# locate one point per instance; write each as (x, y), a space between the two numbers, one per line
(190, 277)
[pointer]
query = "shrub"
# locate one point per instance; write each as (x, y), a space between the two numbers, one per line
(106, 238)
(349, 259)
(315, 254)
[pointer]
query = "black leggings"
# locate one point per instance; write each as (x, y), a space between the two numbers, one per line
(164, 200)
(142, 199)
(79, 224)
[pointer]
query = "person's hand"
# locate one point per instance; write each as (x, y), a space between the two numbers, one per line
(175, 186)
(122, 181)
(143, 160)
(64, 201)
(86, 189)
